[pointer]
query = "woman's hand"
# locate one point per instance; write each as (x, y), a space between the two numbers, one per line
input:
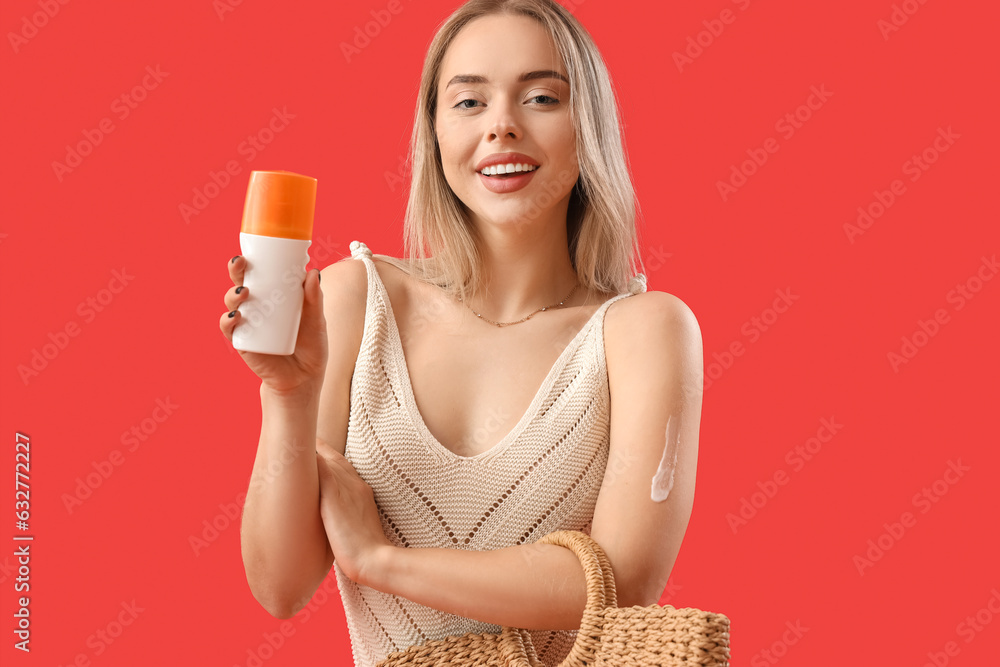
(350, 516)
(305, 368)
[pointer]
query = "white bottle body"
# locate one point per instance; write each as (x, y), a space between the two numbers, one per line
(270, 316)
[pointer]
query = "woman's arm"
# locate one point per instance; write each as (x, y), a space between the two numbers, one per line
(655, 374)
(531, 586)
(281, 536)
(655, 366)
(286, 553)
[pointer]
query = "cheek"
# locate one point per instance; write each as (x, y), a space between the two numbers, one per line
(448, 162)
(563, 144)
(444, 148)
(455, 152)
(446, 140)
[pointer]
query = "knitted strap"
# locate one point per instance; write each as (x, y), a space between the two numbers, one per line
(600, 595)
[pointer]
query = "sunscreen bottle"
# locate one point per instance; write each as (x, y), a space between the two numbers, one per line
(274, 238)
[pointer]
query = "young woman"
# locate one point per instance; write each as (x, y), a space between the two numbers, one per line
(510, 378)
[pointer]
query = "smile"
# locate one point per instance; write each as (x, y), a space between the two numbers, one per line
(503, 169)
(508, 182)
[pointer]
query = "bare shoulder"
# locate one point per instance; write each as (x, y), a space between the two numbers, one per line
(651, 309)
(400, 283)
(345, 289)
(651, 323)
(390, 271)
(345, 297)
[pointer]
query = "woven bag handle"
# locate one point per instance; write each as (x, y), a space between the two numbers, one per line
(585, 546)
(600, 595)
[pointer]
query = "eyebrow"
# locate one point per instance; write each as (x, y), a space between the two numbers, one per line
(527, 76)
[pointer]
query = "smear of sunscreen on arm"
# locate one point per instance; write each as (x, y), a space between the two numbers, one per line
(663, 480)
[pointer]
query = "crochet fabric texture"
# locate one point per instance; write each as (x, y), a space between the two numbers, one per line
(543, 476)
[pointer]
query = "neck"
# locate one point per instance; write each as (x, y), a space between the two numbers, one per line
(524, 268)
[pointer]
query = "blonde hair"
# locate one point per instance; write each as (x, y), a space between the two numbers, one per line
(438, 239)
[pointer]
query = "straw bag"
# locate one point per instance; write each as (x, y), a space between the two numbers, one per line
(608, 635)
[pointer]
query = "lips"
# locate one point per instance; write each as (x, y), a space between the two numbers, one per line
(506, 158)
(508, 183)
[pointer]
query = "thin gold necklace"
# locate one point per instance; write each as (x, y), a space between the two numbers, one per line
(524, 319)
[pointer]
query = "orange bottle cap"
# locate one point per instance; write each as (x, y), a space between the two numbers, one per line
(280, 203)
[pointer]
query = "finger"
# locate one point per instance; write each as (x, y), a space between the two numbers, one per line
(312, 313)
(235, 296)
(330, 471)
(338, 466)
(331, 456)
(237, 266)
(344, 470)
(334, 457)
(227, 323)
(323, 447)
(321, 465)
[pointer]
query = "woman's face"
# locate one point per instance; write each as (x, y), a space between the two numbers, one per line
(484, 108)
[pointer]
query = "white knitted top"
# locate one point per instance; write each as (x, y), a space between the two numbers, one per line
(543, 476)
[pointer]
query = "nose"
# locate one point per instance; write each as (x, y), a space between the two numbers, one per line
(503, 130)
(503, 123)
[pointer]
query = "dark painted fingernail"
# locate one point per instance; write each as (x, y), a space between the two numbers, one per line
(232, 313)
(239, 289)
(319, 276)
(234, 259)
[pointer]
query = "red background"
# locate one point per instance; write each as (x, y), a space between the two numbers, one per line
(826, 357)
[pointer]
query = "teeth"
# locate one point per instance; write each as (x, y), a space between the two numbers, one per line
(507, 168)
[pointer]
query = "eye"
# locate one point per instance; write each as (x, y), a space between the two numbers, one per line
(554, 100)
